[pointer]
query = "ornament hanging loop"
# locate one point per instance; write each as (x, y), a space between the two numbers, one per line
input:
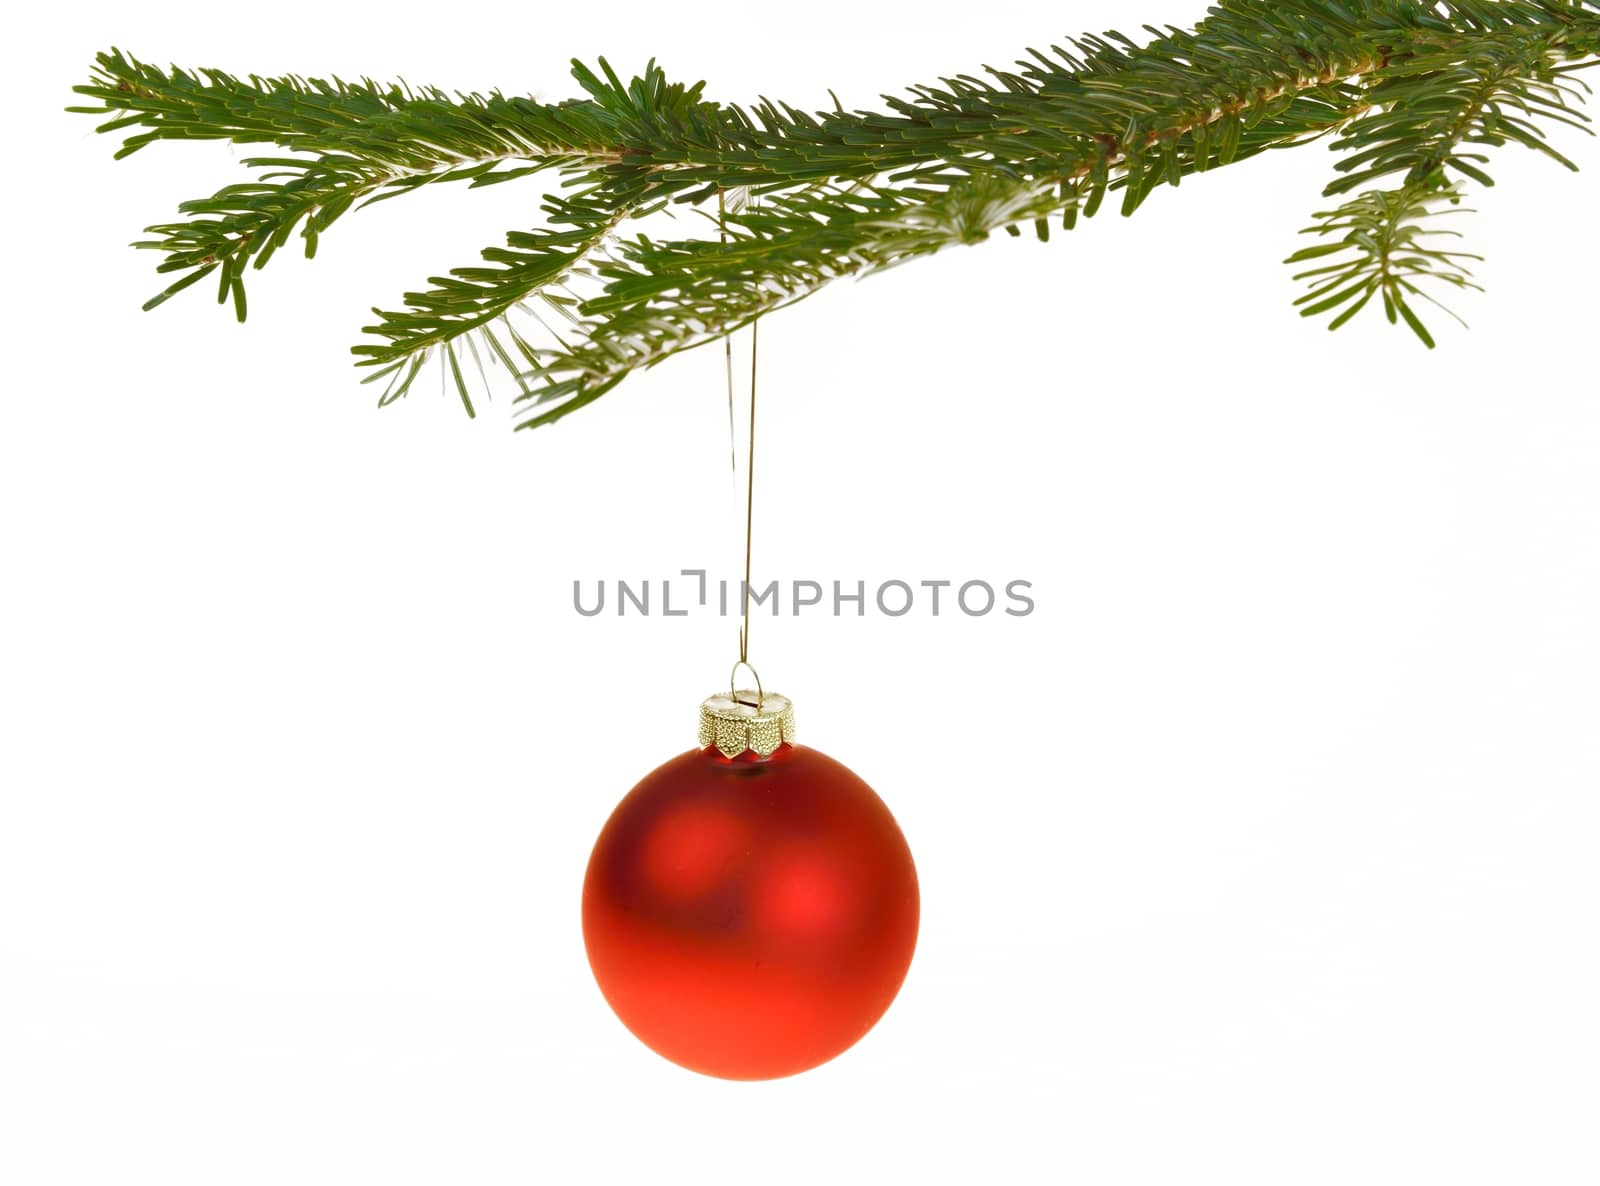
(761, 696)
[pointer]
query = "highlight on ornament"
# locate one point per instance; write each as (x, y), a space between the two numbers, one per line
(1410, 96)
(751, 907)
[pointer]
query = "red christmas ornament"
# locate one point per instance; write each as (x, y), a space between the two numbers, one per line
(751, 907)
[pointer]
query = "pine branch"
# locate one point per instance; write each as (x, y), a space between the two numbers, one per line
(1385, 251)
(470, 301)
(1427, 106)
(408, 129)
(1409, 91)
(661, 298)
(365, 143)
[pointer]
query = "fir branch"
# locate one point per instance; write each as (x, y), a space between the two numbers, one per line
(1410, 91)
(472, 300)
(365, 142)
(663, 297)
(1427, 106)
(1384, 250)
(408, 129)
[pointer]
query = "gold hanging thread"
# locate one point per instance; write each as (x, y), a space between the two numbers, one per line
(727, 340)
(741, 719)
(749, 503)
(750, 453)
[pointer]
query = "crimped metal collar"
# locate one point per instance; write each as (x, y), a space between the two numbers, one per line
(746, 720)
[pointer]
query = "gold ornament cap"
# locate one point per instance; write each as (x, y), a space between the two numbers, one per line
(735, 721)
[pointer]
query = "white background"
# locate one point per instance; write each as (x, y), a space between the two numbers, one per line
(1262, 852)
